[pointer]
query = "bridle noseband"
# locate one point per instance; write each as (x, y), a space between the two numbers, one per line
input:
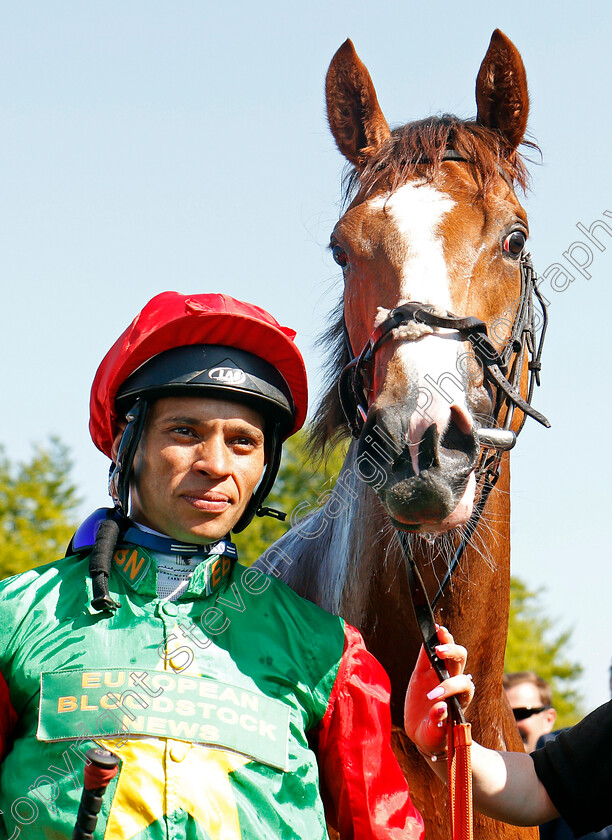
(502, 369)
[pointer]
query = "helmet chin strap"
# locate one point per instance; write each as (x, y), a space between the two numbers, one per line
(116, 522)
(121, 469)
(254, 506)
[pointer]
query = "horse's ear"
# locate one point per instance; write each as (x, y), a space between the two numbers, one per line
(501, 90)
(355, 117)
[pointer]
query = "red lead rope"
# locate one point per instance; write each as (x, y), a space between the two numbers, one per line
(460, 779)
(459, 731)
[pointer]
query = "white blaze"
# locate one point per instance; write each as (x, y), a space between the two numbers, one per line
(417, 212)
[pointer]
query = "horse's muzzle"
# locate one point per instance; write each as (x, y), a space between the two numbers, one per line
(424, 481)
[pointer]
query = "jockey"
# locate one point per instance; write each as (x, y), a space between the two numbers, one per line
(237, 708)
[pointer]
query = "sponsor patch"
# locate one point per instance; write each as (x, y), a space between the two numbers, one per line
(227, 375)
(119, 702)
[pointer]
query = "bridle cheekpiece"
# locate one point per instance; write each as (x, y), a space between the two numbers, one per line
(501, 368)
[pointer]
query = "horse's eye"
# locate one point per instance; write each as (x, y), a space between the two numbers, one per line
(339, 255)
(514, 243)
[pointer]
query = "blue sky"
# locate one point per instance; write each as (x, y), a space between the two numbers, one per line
(154, 145)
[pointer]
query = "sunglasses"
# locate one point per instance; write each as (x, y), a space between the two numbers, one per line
(525, 712)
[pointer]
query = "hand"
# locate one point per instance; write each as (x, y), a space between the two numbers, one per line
(425, 710)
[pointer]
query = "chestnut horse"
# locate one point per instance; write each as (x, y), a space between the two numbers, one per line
(432, 248)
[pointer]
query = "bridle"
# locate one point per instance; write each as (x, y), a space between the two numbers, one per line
(502, 369)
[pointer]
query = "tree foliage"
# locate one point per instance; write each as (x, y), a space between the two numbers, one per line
(535, 645)
(301, 481)
(37, 502)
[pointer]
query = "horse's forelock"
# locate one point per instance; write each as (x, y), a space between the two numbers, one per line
(417, 150)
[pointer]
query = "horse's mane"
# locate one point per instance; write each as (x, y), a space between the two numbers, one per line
(415, 150)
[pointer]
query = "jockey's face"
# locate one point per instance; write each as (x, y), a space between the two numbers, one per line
(196, 467)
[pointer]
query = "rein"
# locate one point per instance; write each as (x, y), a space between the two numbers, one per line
(459, 737)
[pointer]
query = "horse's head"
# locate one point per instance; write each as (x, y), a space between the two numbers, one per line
(433, 219)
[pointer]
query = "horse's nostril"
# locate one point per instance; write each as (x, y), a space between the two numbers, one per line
(461, 418)
(429, 449)
(457, 438)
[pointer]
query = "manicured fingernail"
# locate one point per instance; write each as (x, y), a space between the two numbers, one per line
(438, 691)
(442, 648)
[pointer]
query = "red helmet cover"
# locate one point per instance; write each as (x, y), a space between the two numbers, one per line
(170, 320)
